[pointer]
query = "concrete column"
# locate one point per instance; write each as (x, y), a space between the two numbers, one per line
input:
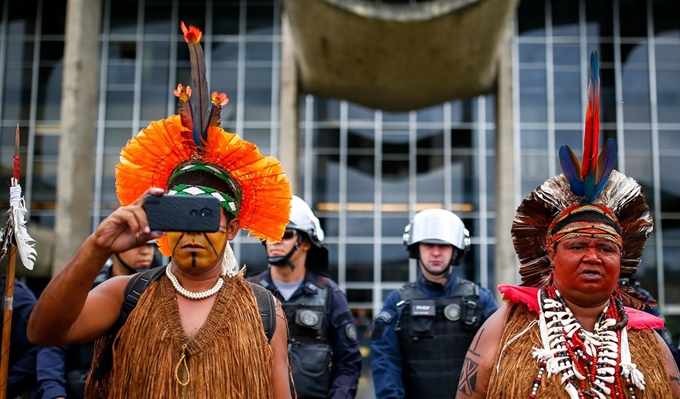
(78, 114)
(289, 146)
(505, 258)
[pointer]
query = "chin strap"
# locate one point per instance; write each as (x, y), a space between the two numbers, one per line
(284, 260)
(128, 268)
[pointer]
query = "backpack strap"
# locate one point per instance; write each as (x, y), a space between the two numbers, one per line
(265, 302)
(472, 312)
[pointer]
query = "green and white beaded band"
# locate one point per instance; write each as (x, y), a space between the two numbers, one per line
(226, 201)
(214, 171)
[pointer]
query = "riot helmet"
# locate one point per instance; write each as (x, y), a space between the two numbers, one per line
(303, 220)
(437, 226)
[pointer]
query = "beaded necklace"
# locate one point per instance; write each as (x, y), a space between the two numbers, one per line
(191, 294)
(589, 362)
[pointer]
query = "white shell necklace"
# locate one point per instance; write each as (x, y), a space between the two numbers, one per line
(190, 294)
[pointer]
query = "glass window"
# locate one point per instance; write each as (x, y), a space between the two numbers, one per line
(533, 139)
(258, 94)
(671, 251)
(261, 137)
(330, 138)
(666, 22)
(461, 112)
(356, 112)
(599, 19)
(567, 54)
(463, 180)
(635, 84)
(430, 182)
(359, 259)
(434, 114)
(7, 142)
(359, 296)
(395, 264)
(668, 95)
(361, 141)
(192, 12)
(156, 92)
(360, 224)
(21, 19)
(123, 50)
(44, 194)
(259, 51)
(49, 93)
(121, 20)
(260, 19)
(226, 19)
(535, 167)
(225, 80)
(157, 19)
(121, 73)
(46, 146)
(633, 18)
(53, 18)
(531, 18)
(156, 52)
(115, 138)
(565, 18)
(532, 95)
(119, 105)
(532, 53)
(670, 184)
(360, 177)
(17, 93)
(567, 96)
(226, 52)
(326, 179)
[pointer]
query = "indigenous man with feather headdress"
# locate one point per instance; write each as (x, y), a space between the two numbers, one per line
(570, 332)
(197, 330)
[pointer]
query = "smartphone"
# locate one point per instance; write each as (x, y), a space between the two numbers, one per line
(182, 213)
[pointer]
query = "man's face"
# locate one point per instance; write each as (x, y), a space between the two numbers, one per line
(435, 258)
(586, 269)
(283, 247)
(202, 250)
(140, 257)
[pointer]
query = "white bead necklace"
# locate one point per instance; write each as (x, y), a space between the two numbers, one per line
(190, 294)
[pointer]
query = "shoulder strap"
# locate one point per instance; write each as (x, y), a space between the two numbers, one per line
(465, 288)
(265, 302)
(472, 311)
(408, 292)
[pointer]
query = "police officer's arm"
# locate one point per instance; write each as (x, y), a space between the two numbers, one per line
(279, 344)
(67, 311)
(344, 340)
(481, 356)
(51, 371)
(385, 354)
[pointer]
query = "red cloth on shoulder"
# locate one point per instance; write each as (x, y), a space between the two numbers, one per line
(637, 319)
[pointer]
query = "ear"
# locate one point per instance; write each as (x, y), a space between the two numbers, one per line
(551, 254)
(304, 244)
(233, 226)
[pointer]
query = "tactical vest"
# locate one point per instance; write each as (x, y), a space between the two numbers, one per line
(434, 336)
(310, 353)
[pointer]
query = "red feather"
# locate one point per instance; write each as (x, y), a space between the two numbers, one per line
(592, 130)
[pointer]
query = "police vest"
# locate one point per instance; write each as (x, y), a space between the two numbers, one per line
(310, 353)
(434, 336)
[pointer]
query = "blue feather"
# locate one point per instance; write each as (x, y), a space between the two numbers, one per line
(572, 169)
(606, 163)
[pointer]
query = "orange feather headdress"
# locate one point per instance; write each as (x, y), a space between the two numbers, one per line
(194, 137)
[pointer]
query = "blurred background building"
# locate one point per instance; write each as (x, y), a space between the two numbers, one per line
(465, 112)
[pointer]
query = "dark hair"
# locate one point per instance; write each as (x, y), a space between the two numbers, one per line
(587, 216)
(206, 179)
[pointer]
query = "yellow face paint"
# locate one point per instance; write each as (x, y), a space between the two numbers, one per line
(198, 250)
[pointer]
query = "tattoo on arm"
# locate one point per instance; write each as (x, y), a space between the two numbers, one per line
(468, 376)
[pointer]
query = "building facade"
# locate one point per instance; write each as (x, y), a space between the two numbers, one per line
(364, 171)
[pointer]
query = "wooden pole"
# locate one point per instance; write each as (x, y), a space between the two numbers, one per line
(7, 321)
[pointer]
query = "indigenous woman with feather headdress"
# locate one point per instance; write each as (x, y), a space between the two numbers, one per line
(198, 328)
(570, 331)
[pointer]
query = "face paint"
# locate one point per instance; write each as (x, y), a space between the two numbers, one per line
(198, 250)
(586, 267)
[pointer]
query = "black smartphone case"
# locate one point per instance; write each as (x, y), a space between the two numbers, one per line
(182, 213)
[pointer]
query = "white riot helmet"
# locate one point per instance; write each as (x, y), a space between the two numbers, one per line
(437, 226)
(303, 220)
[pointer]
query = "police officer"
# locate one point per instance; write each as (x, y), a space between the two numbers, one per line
(423, 332)
(324, 349)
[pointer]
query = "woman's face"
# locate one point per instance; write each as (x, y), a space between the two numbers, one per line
(201, 251)
(585, 270)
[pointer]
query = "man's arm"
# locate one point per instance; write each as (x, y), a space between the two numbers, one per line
(385, 353)
(344, 340)
(51, 371)
(279, 344)
(479, 361)
(67, 311)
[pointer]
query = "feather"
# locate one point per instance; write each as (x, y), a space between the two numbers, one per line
(25, 243)
(605, 165)
(571, 167)
(184, 107)
(219, 100)
(201, 105)
(592, 129)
